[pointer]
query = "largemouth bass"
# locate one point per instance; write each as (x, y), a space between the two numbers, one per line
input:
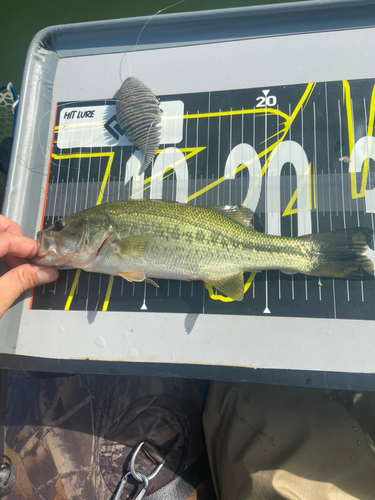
(144, 239)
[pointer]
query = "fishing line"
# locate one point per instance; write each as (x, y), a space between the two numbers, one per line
(140, 34)
(71, 103)
(42, 149)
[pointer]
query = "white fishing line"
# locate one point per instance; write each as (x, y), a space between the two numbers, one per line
(42, 169)
(140, 34)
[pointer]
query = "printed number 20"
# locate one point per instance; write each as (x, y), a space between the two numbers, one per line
(266, 100)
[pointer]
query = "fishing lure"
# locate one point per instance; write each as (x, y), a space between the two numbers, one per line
(138, 115)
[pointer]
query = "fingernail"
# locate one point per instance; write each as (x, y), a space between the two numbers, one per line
(47, 274)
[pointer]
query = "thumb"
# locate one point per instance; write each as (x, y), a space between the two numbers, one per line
(20, 279)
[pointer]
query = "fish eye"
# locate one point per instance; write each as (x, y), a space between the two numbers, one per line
(59, 225)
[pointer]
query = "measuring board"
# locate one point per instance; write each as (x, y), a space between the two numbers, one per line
(255, 119)
(283, 152)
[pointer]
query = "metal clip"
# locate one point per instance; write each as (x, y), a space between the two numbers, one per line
(137, 475)
(132, 463)
(143, 479)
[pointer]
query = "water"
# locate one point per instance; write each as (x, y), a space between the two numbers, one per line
(21, 20)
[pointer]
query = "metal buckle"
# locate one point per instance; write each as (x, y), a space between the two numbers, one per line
(137, 474)
(132, 462)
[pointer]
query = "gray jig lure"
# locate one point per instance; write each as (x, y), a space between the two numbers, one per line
(139, 116)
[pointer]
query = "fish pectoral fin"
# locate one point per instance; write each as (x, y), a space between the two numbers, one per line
(232, 286)
(242, 215)
(137, 276)
(133, 246)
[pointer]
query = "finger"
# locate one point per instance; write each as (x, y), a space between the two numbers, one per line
(13, 261)
(18, 246)
(20, 279)
(8, 226)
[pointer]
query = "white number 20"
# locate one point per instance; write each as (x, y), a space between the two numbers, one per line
(266, 100)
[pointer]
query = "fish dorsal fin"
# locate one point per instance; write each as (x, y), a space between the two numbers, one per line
(242, 215)
(137, 276)
(231, 285)
(133, 246)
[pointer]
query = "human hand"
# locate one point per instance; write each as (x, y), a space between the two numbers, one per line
(14, 249)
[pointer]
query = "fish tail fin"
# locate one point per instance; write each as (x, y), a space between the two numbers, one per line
(343, 254)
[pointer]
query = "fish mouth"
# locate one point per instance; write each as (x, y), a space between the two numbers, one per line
(47, 251)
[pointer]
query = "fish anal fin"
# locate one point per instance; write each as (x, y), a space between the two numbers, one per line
(152, 282)
(133, 275)
(232, 286)
(242, 215)
(133, 246)
(137, 276)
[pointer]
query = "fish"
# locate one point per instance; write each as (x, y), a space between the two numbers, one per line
(144, 239)
(138, 114)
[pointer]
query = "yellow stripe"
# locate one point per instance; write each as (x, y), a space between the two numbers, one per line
(223, 298)
(108, 294)
(370, 128)
(349, 114)
(92, 155)
(349, 117)
(81, 155)
(288, 122)
(372, 114)
(191, 152)
(72, 290)
(105, 178)
(184, 117)
(251, 111)
(288, 210)
(98, 202)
